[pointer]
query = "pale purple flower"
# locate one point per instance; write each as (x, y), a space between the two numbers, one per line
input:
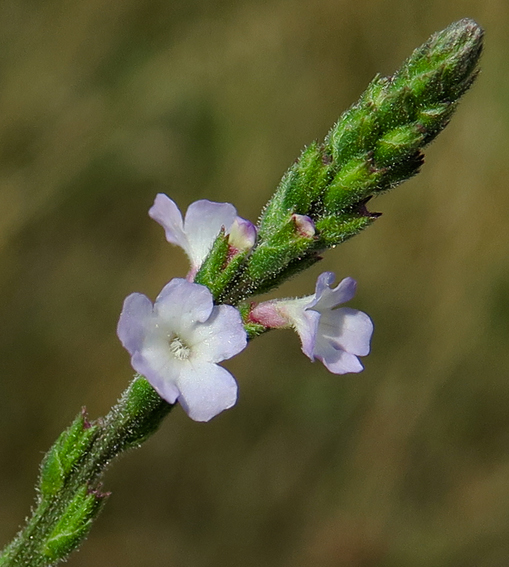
(177, 342)
(335, 335)
(203, 222)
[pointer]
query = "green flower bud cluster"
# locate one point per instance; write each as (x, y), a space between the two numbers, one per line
(375, 145)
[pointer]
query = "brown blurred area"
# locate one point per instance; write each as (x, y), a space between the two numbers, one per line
(104, 104)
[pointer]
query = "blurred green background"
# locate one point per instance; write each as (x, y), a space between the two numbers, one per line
(104, 104)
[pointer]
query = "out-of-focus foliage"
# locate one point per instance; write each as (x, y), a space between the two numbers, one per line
(104, 104)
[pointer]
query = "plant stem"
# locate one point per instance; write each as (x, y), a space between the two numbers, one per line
(63, 517)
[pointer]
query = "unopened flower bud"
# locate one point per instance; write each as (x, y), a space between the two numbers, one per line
(242, 235)
(304, 225)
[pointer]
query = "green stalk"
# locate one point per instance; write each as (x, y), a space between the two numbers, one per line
(69, 489)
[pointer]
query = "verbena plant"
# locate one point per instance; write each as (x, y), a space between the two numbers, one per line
(210, 315)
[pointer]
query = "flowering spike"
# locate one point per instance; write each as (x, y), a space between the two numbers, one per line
(179, 341)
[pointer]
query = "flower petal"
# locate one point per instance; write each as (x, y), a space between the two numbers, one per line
(327, 298)
(348, 329)
(182, 304)
(167, 214)
(304, 321)
(176, 342)
(162, 374)
(134, 321)
(221, 336)
(203, 222)
(336, 360)
(206, 390)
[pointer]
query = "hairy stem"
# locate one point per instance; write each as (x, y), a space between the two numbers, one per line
(69, 490)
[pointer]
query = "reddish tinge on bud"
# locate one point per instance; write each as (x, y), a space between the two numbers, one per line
(304, 225)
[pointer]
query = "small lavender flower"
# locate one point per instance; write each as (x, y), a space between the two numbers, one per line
(203, 222)
(177, 342)
(336, 336)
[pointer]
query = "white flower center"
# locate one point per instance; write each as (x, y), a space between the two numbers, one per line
(179, 349)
